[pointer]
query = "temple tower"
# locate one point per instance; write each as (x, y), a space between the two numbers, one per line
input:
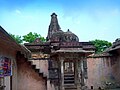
(53, 27)
(68, 67)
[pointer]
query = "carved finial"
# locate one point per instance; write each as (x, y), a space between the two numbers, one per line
(68, 30)
(54, 26)
(53, 14)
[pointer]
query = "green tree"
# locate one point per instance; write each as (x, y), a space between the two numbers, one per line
(101, 45)
(30, 37)
(17, 38)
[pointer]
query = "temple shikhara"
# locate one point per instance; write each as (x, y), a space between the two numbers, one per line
(62, 62)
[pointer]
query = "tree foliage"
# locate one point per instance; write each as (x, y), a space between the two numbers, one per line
(17, 38)
(30, 37)
(101, 45)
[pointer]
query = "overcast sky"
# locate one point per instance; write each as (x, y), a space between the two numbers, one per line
(88, 19)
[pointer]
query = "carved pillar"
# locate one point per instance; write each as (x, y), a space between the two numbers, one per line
(77, 69)
(85, 68)
(70, 67)
(83, 72)
(62, 72)
(78, 74)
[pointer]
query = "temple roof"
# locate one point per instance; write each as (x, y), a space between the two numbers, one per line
(79, 51)
(69, 36)
(64, 36)
(6, 41)
(74, 51)
(115, 46)
(60, 41)
(56, 34)
(53, 27)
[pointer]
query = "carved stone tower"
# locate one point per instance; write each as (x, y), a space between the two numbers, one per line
(53, 27)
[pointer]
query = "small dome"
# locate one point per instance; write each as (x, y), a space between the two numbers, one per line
(64, 36)
(69, 36)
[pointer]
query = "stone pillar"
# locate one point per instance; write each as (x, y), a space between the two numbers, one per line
(75, 72)
(77, 78)
(62, 73)
(78, 70)
(83, 73)
(70, 67)
(85, 68)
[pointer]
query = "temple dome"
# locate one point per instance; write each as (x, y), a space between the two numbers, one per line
(64, 36)
(69, 36)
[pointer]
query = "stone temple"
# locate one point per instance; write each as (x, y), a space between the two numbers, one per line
(66, 56)
(62, 62)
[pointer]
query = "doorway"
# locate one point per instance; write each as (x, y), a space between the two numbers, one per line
(69, 73)
(68, 67)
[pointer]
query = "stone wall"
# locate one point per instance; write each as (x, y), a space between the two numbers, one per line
(116, 69)
(28, 79)
(6, 51)
(50, 86)
(103, 71)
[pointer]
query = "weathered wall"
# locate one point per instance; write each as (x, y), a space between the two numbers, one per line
(50, 86)
(42, 65)
(116, 69)
(103, 70)
(9, 53)
(7, 82)
(28, 79)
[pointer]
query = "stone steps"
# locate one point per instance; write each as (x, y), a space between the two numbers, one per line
(69, 82)
(69, 79)
(35, 66)
(70, 87)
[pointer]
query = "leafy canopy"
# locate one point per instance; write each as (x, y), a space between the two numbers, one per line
(30, 37)
(17, 38)
(101, 45)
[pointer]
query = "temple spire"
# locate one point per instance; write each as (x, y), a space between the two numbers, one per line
(54, 26)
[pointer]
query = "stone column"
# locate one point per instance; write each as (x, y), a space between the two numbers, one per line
(70, 67)
(85, 68)
(85, 72)
(62, 72)
(77, 78)
(78, 74)
(82, 73)
(75, 72)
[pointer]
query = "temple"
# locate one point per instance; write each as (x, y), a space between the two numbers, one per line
(67, 65)
(62, 62)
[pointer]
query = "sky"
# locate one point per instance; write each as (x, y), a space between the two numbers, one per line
(88, 19)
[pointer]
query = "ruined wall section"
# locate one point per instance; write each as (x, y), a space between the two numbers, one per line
(103, 71)
(40, 60)
(116, 68)
(7, 51)
(28, 79)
